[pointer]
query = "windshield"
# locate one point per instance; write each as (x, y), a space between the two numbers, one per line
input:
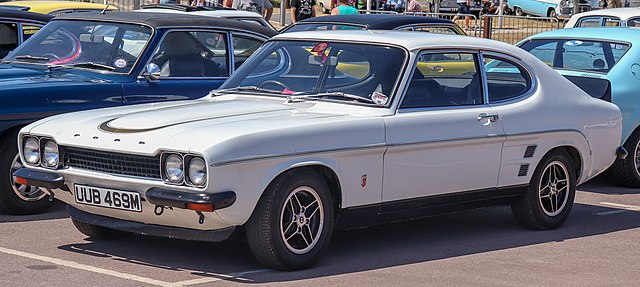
(581, 55)
(322, 27)
(112, 47)
(289, 68)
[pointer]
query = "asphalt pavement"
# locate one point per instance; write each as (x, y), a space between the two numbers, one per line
(599, 245)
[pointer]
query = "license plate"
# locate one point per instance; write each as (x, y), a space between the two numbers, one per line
(111, 198)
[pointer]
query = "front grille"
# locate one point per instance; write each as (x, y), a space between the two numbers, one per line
(110, 162)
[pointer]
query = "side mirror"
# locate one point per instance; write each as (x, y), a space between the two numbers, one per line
(151, 72)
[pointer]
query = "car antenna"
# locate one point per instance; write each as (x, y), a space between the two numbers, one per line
(105, 8)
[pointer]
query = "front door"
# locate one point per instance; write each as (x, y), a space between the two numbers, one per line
(444, 139)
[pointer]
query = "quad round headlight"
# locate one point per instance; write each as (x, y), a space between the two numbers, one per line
(173, 168)
(51, 154)
(31, 151)
(197, 171)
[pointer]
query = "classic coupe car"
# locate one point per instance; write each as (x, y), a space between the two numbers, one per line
(376, 22)
(89, 60)
(615, 17)
(605, 63)
(16, 26)
(561, 9)
(290, 148)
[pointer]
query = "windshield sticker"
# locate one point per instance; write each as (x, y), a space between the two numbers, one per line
(573, 43)
(379, 98)
(120, 63)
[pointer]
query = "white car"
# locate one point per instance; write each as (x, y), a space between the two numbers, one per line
(606, 18)
(331, 129)
(241, 15)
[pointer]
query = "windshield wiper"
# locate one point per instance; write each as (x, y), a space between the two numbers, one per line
(330, 94)
(29, 57)
(90, 65)
(244, 89)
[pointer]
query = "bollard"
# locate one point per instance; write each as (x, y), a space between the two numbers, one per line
(486, 28)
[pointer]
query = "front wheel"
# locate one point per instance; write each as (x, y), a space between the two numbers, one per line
(291, 226)
(16, 198)
(627, 171)
(519, 11)
(549, 197)
(551, 13)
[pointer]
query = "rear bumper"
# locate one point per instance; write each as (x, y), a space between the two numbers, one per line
(151, 229)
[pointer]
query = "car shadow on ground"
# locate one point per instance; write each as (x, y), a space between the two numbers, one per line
(605, 183)
(390, 245)
(57, 211)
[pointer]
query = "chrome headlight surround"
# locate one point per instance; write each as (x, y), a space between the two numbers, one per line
(31, 150)
(183, 169)
(50, 153)
(196, 171)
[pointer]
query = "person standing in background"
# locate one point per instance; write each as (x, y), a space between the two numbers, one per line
(414, 6)
(302, 9)
(344, 8)
(262, 7)
(614, 4)
(464, 8)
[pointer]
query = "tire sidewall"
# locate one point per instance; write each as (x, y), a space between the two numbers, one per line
(550, 222)
(629, 162)
(290, 259)
(8, 198)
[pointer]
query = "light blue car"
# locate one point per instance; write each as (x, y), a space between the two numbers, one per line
(604, 62)
(561, 9)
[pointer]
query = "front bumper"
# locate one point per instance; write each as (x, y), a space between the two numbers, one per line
(151, 229)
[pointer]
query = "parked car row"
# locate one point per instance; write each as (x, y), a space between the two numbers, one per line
(212, 126)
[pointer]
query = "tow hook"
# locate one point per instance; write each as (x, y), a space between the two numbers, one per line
(621, 152)
(201, 220)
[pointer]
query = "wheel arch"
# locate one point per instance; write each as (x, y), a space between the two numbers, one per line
(575, 157)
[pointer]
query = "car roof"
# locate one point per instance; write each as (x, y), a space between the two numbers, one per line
(46, 7)
(622, 13)
(167, 20)
(10, 13)
(378, 21)
(619, 34)
(407, 39)
(209, 13)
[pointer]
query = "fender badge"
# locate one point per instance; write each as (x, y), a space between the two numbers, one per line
(363, 183)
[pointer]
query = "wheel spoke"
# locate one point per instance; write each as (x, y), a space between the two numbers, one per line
(292, 235)
(546, 196)
(293, 209)
(298, 201)
(310, 233)
(305, 238)
(284, 231)
(554, 203)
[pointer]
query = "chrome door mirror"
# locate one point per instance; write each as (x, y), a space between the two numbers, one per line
(151, 72)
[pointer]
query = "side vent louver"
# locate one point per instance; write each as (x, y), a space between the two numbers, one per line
(524, 168)
(530, 151)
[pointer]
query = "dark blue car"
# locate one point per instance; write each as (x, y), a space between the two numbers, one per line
(89, 60)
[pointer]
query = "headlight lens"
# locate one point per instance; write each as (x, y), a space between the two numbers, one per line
(31, 151)
(173, 168)
(197, 171)
(51, 154)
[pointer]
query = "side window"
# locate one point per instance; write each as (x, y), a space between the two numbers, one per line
(505, 79)
(8, 38)
(444, 79)
(545, 52)
(192, 54)
(437, 30)
(29, 30)
(633, 22)
(589, 22)
(611, 22)
(243, 47)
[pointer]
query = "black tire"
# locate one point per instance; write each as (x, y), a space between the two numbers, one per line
(627, 171)
(551, 13)
(97, 232)
(535, 210)
(271, 221)
(518, 11)
(15, 198)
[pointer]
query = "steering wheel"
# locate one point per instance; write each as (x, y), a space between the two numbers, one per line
(267, 82)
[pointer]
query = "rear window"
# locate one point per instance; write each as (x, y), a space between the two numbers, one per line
(580, 55)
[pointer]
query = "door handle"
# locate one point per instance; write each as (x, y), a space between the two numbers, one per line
(486, 117)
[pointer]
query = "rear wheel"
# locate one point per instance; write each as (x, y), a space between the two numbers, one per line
(627, 171)
(292, 224)
(551, 13)
(549, 197)
(17, 198)
(97, 232)
(519, 11)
